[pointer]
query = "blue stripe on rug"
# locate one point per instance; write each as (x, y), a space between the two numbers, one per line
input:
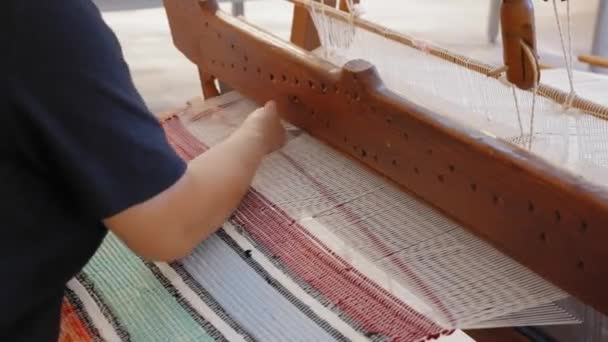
(247, 297)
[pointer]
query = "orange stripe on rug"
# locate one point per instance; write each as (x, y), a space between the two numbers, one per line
(73, 328)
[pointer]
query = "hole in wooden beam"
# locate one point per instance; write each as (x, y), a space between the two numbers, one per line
(584, 226)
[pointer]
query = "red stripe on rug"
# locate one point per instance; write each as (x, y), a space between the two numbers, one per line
(362, 300)
(359, 224)
(73, 327)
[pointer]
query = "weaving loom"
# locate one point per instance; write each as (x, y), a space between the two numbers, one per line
(402, 208)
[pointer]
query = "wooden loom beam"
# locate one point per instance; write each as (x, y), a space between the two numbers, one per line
(546, 218)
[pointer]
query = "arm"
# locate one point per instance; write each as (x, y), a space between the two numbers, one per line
(171, 224)
(97, 141)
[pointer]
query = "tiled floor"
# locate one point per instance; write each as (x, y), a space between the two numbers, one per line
(166, 79)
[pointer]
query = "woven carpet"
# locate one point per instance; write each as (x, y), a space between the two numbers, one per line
(262, 277)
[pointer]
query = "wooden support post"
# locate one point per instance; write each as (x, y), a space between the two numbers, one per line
(303, 31)
(208, 84)
(344, 5)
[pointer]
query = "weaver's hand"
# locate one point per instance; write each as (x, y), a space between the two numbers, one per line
(265, 126)
(172, 223)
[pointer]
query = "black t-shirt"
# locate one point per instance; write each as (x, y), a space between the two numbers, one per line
(77, 145)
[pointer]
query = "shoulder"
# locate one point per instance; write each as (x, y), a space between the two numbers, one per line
(56, 12)
(57, 16)
(68, 31)
(66, 44)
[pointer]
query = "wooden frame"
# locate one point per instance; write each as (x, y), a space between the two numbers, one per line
(546, 218)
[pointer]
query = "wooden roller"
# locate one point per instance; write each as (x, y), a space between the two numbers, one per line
(592, 60)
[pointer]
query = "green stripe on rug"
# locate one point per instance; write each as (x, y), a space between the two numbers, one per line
(142, 305)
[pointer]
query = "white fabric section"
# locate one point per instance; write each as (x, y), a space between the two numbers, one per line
(474, 99)
(464, 280)
(371, 271)
(533, 317)
(420, 248)
(314, 305)
(247, 297)
(588, 134)
(198, 304)
(375, 274)
(107, 332)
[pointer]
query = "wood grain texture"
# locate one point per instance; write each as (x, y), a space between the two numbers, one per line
(546, 218)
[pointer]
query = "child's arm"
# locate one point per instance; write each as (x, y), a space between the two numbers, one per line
(171, 224)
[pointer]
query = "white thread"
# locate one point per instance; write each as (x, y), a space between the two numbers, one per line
(521, 127)
(477, 285)
(534, 61)
(567, 51)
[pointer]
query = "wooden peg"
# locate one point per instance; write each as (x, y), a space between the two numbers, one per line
(361, 73)
(518, 27)
(208, 85)
(596, 61)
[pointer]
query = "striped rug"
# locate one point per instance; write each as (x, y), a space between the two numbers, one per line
(262, 277)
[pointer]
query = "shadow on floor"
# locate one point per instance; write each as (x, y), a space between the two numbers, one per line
(125, 5)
